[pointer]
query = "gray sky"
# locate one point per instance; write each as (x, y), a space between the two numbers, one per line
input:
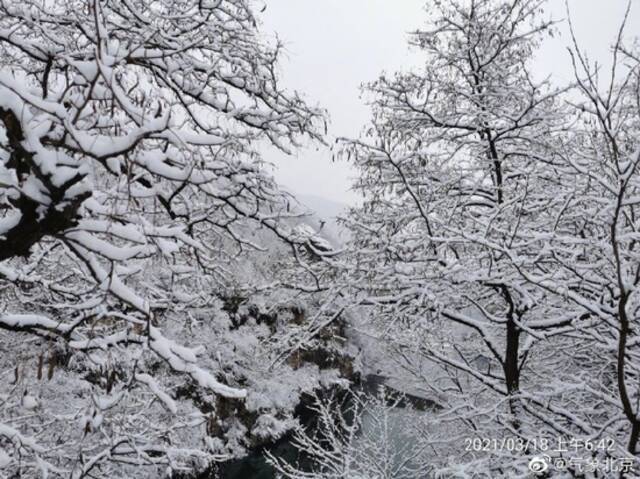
(332, 46)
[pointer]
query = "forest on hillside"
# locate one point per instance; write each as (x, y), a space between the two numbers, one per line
(169, 310)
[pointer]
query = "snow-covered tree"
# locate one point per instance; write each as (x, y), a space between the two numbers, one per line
(129, 182)
(590, 258)
(467, 173)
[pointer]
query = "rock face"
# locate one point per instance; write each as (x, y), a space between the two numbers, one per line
(280, 393)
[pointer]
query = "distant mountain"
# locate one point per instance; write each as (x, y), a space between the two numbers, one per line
(323, 207)
(324, 215)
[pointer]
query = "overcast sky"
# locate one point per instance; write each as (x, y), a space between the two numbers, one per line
(332, 46)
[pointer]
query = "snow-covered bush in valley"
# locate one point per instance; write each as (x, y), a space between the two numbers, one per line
(359, 436)
(129, 181)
